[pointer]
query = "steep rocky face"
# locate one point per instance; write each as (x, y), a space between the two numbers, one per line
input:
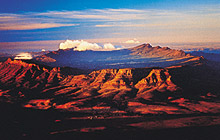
(21, 77)
(112, 84)
(17, 73)
(158, 80)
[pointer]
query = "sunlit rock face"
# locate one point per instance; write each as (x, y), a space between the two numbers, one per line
(137, 90)
(24, 56)
(27, 75)
(158, 80)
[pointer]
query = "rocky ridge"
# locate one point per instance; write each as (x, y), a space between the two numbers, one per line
(138, 90)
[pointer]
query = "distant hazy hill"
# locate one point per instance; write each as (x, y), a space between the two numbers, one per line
(4, 56)
(146, 50)
(209, 56)
(141, 56)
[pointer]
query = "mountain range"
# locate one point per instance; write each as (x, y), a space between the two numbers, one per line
(188, 86)
(141, 92)
(141, 56)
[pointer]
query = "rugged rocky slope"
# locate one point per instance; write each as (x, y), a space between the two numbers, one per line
(130, 90)
(20, 78)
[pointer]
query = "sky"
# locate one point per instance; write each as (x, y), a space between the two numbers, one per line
(27, 25)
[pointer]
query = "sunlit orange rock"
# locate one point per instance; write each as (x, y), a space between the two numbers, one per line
(158, 80)
(136, 90)
(39, 104)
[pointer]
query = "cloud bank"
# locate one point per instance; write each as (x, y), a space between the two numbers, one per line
(132, 41)
(23, 56)
(109, 46)
(81, 45)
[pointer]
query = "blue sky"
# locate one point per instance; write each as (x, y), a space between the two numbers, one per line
(46, 23)
(45, 5)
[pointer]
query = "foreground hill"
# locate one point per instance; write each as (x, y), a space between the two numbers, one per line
(187, 89)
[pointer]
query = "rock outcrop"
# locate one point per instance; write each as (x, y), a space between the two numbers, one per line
(27, 75)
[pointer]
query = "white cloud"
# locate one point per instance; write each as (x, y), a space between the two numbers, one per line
(81, 45)
(109, 46)
(132, 41)
(23, 56)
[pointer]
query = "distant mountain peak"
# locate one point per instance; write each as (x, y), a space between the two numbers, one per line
(146, 50)
(158, 47)
(143, 46)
